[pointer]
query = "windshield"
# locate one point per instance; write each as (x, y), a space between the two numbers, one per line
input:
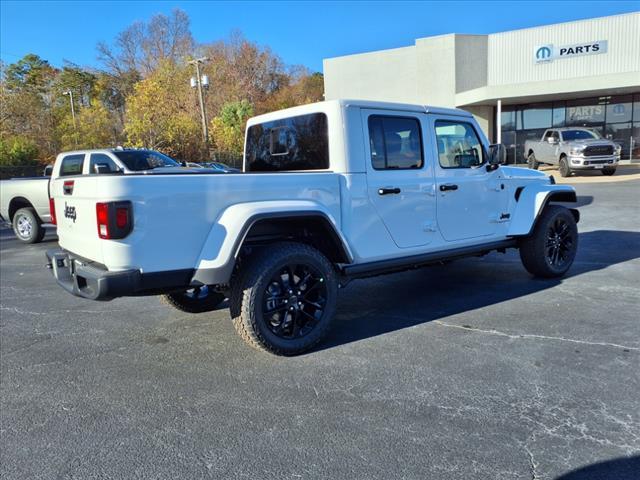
(137, 160)
(569, 135)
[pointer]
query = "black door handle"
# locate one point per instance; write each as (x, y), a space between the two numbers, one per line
(448, 186)
(388, 191)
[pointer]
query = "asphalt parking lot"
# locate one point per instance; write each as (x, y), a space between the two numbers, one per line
(472, 370)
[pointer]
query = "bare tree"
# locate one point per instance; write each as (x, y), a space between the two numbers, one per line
(142, 46)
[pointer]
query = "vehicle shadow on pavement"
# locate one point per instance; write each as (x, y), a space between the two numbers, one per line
(623, 468)
(386, 304)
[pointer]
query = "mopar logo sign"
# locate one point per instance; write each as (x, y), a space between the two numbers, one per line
(544, 53)
(619, 109)
(548, 53)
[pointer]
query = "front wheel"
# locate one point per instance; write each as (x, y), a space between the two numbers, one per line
(194, 300)
(551, 248)
(608, 171)
(532, 162)
(284, 298)
(27, 226)
(565, 171)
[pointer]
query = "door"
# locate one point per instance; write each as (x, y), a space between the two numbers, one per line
(400, 180)
(550, 150)
(471, 197)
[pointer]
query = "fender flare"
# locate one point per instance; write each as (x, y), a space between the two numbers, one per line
(221, 248)
(531, 202)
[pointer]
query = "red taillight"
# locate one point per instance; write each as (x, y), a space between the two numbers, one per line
(122, 217)
(52, 210)
(114, 219)
(102, 217)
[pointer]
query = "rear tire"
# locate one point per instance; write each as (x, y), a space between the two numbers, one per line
(608, 171)
(284, 298)
(194, 300)
(549, 250)
(565, 171)
(27, 226)
(532, 162)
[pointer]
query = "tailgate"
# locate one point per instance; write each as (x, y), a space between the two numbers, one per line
(75, 204)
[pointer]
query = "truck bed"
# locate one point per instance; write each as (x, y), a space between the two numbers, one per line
(173, 214)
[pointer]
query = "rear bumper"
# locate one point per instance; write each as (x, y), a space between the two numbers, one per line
(94, 282)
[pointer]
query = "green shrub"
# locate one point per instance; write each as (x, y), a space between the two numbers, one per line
(16, 150)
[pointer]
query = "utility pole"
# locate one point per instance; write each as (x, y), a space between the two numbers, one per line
(73, 115)
(199, 84)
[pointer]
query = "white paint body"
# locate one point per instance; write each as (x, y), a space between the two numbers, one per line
(32, 192)
(193, 221)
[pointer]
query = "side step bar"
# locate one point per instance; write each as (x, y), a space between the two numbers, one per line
(406, 263)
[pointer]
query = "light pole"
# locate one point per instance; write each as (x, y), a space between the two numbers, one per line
(201, 81)
(73, 115)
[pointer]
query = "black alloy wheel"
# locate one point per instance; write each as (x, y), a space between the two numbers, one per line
(284, 297)
(559, 243)
(550, 249)
(294, 301)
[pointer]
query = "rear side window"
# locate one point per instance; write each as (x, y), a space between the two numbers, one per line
(104, 160)
(396, 143)
(296, 143)
(72, 165)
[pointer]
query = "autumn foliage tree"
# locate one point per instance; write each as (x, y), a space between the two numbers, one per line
(161, 113)
(227, 128)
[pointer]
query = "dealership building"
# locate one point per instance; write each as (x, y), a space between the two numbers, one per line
(517, 83)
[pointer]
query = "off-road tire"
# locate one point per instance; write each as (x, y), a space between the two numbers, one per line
(564, 168)
(33, 234)
(248, 291)
(608, 171)
(532, 162)
(190, 303)
(535, 249)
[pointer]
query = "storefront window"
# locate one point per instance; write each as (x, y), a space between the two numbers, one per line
(509, 141)
(559, 112)
(508, 119)
(537, 116)
(619, 109)
(620, 133)
(616, 117)
(585, 113)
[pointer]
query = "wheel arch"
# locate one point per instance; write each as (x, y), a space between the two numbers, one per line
(16, 204)
(532, 201)
(243, 226)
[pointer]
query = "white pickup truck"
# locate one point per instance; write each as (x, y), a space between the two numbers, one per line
(24, 204)
(573, 149)
(330, 192)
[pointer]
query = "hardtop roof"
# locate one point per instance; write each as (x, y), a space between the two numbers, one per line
(358, 103)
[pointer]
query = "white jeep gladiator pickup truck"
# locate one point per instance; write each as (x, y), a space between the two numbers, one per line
(330, 192)
(573, 149)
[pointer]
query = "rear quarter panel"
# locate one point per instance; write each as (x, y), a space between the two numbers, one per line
(34, 190)
(173, 214)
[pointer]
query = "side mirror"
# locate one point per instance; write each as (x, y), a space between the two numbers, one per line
(551, 140)
(497, 154)
(48, 170)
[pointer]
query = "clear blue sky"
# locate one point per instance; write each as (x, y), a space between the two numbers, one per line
(300, 32)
